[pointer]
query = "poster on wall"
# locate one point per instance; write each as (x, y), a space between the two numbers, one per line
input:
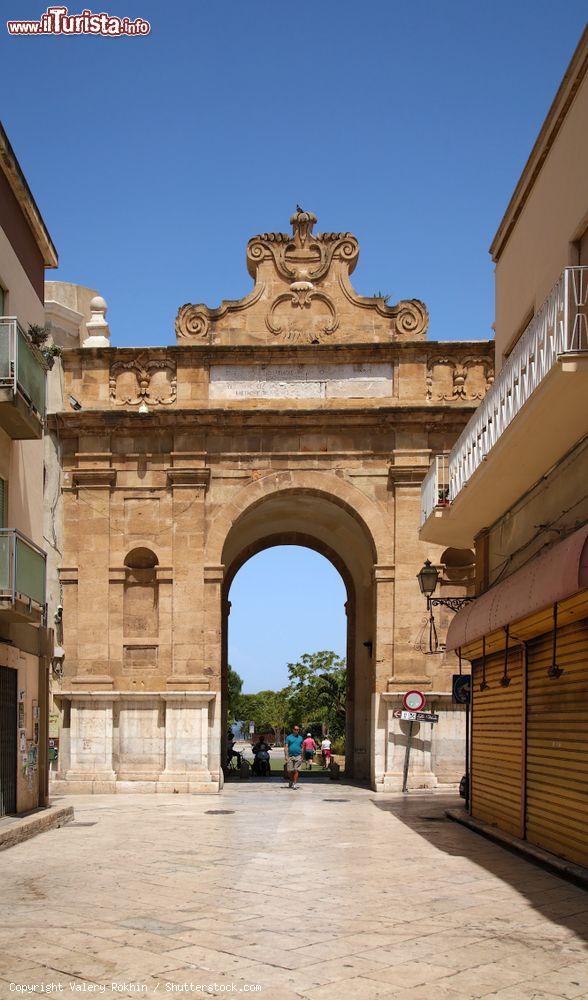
(22, 741)
(21, 715)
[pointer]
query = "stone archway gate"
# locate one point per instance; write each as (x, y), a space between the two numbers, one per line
(303, 409)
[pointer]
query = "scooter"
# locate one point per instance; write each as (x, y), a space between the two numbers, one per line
(261, 765)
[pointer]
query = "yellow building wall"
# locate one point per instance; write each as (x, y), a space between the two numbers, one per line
(542, 242)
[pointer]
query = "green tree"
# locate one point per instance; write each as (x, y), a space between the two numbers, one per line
(317, 691)
(234, 696)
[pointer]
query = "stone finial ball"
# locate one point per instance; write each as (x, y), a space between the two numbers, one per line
(98, 304)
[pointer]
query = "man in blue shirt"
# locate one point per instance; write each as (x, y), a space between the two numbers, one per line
(293, 754)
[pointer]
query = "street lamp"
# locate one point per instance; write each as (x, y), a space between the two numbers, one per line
(428, 578)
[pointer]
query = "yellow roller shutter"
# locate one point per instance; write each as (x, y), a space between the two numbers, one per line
(498, 743)
(557, 744)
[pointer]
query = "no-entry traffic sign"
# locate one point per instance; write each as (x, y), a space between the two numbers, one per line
(414, 701)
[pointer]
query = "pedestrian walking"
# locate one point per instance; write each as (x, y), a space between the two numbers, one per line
(293, 755)
(308, 750)
(326, 751)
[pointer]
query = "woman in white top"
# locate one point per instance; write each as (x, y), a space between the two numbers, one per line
(326, 751)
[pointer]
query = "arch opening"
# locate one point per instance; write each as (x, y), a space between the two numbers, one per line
(287, 652)
(315, 521)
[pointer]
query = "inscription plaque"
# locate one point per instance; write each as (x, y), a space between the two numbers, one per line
(272, 381)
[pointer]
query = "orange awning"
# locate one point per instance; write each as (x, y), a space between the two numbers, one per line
(551, 577)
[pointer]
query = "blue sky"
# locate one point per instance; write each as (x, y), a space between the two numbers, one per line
(285, 601)
(153, 160)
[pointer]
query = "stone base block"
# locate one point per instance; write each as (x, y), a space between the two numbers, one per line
(137, 777)
(90, 775)
(187, 782)
(136, 787)
(72, 786)
(392, 781)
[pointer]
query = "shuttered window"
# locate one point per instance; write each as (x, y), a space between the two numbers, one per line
(557, 744)
(498, 743)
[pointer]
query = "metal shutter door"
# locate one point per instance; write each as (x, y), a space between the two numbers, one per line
(557, 744)
(498, 743)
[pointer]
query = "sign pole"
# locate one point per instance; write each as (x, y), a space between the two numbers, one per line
(407, 757)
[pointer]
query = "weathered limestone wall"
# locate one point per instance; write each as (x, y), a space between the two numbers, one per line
(156, 483)
(256, 429)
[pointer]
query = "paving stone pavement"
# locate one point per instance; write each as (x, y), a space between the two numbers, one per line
(327, 892)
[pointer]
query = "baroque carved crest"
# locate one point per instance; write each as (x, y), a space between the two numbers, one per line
(143, 381)
(302, 256)
(302, 294)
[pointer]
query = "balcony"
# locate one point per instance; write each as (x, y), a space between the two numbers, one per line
(22, 383)
(535, 412)
(22, 579)
(435, 488)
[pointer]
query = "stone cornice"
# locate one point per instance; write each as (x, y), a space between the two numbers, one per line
(397, 413)
(188, 477)
(120, 574)
(406, 475)
(384, 574)
(214, 574)
(93, 479)
(90, 694)
(68, 574)
(279, 353)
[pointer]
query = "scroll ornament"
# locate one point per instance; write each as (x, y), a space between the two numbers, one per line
(138, 381)
(192, 321)
(302, 295)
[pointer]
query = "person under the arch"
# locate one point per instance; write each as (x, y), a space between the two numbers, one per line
(293, 755)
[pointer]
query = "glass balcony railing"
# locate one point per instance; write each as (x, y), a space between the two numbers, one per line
(22, 575)
(22, 368)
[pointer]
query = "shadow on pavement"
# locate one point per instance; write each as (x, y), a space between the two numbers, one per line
(542, 889)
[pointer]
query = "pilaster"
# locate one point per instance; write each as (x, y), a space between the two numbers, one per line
(93, 487)
(406, 473)
(188, 486)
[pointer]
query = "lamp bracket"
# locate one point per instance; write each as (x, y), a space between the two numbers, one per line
(453, 603)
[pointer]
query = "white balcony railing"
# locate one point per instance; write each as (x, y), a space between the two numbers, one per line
(435, 488)
(559, 329)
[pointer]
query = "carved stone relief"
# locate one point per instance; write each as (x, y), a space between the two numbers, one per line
(302, 314)
(301, 255)
(137, 381)
(448, 379)
(302, 294)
